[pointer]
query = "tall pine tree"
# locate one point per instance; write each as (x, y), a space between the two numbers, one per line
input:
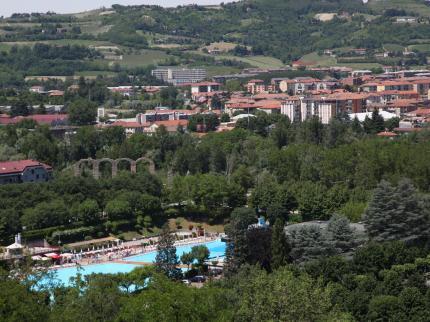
(166, 260)
(341, 235)
(280, 246)
(397, 213)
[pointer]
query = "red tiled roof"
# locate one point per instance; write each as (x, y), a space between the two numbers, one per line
(404, 102)
(420, 112)
(395, 92)
(268, 104)
(206, 84)
(171, 123)
(48, 118)
(242, 105)
(38, 118)
(19, 166)
(270, 96)
(387, 134)
(127, 124)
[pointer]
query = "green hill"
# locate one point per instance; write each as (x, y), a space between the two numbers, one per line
(282, 29)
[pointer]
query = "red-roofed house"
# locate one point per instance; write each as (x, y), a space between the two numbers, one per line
(130, 127)
(256, 86)
(170, 126)
(42, 119)
(24, 171)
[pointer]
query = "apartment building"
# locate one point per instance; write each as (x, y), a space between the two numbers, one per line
(180, 76)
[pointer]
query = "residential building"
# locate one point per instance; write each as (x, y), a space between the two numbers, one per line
(171, 126)
(180, 76)
(256, 86)
(205, 87)
(164, 115)
(24, 171)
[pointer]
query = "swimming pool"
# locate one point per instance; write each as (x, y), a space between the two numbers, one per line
(63, 275)
(216, 249)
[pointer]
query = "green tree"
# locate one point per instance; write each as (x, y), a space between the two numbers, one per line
(18, 303)
(341, 234)
(280, 246)
(89, 211)
(237, 245)
(82, 112)
(397, 213)
(385, 308)
(187, 259)
(166, 260)
(41, 109)
(308, 242)
(118, 209)
(20, 108)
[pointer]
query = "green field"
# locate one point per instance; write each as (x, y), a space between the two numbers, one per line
(255, 61)
(393, 47)
(60, 42)
(425, 48)
(407, 5)
(144, 58)
(323, 60)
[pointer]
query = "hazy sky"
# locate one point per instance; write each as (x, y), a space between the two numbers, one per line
(7, 7)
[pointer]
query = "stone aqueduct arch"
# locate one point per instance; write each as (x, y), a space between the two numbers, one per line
(114, 165)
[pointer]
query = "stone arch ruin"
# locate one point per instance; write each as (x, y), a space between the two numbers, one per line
(95, 163)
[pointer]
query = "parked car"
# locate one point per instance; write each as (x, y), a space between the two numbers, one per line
(186, 282)
(198, 279)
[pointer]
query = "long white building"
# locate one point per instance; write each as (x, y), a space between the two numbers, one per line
(180, 76)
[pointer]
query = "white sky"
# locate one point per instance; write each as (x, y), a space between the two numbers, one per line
(7, 7)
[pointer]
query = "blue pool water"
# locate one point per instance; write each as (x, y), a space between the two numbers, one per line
(63, 275)
(216, 249)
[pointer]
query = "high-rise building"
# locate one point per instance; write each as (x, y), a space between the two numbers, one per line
(180, 76)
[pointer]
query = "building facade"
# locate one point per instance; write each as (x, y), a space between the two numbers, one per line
(180, 76)
(24, 171)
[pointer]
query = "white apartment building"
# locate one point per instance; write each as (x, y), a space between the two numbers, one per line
(299, 109)
(180, 76)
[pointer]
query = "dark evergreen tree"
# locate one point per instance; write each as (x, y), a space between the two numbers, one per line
(378, 121)
(41, 109)
(341, 235)
(166, 260)
(20, 108)
(356, 126)
(308, 242)
(237, 245)
(280, 246)
(397, 213)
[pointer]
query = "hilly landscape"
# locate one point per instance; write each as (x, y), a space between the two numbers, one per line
(251, 33)
(260, 160)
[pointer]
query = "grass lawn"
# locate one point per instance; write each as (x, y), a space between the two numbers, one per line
(393, 47)
(407, 5)
(319, 60)
(425, 48)
(186, 223)
(144, 58)
(361, 65)
(255, 61)
(61, 42)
